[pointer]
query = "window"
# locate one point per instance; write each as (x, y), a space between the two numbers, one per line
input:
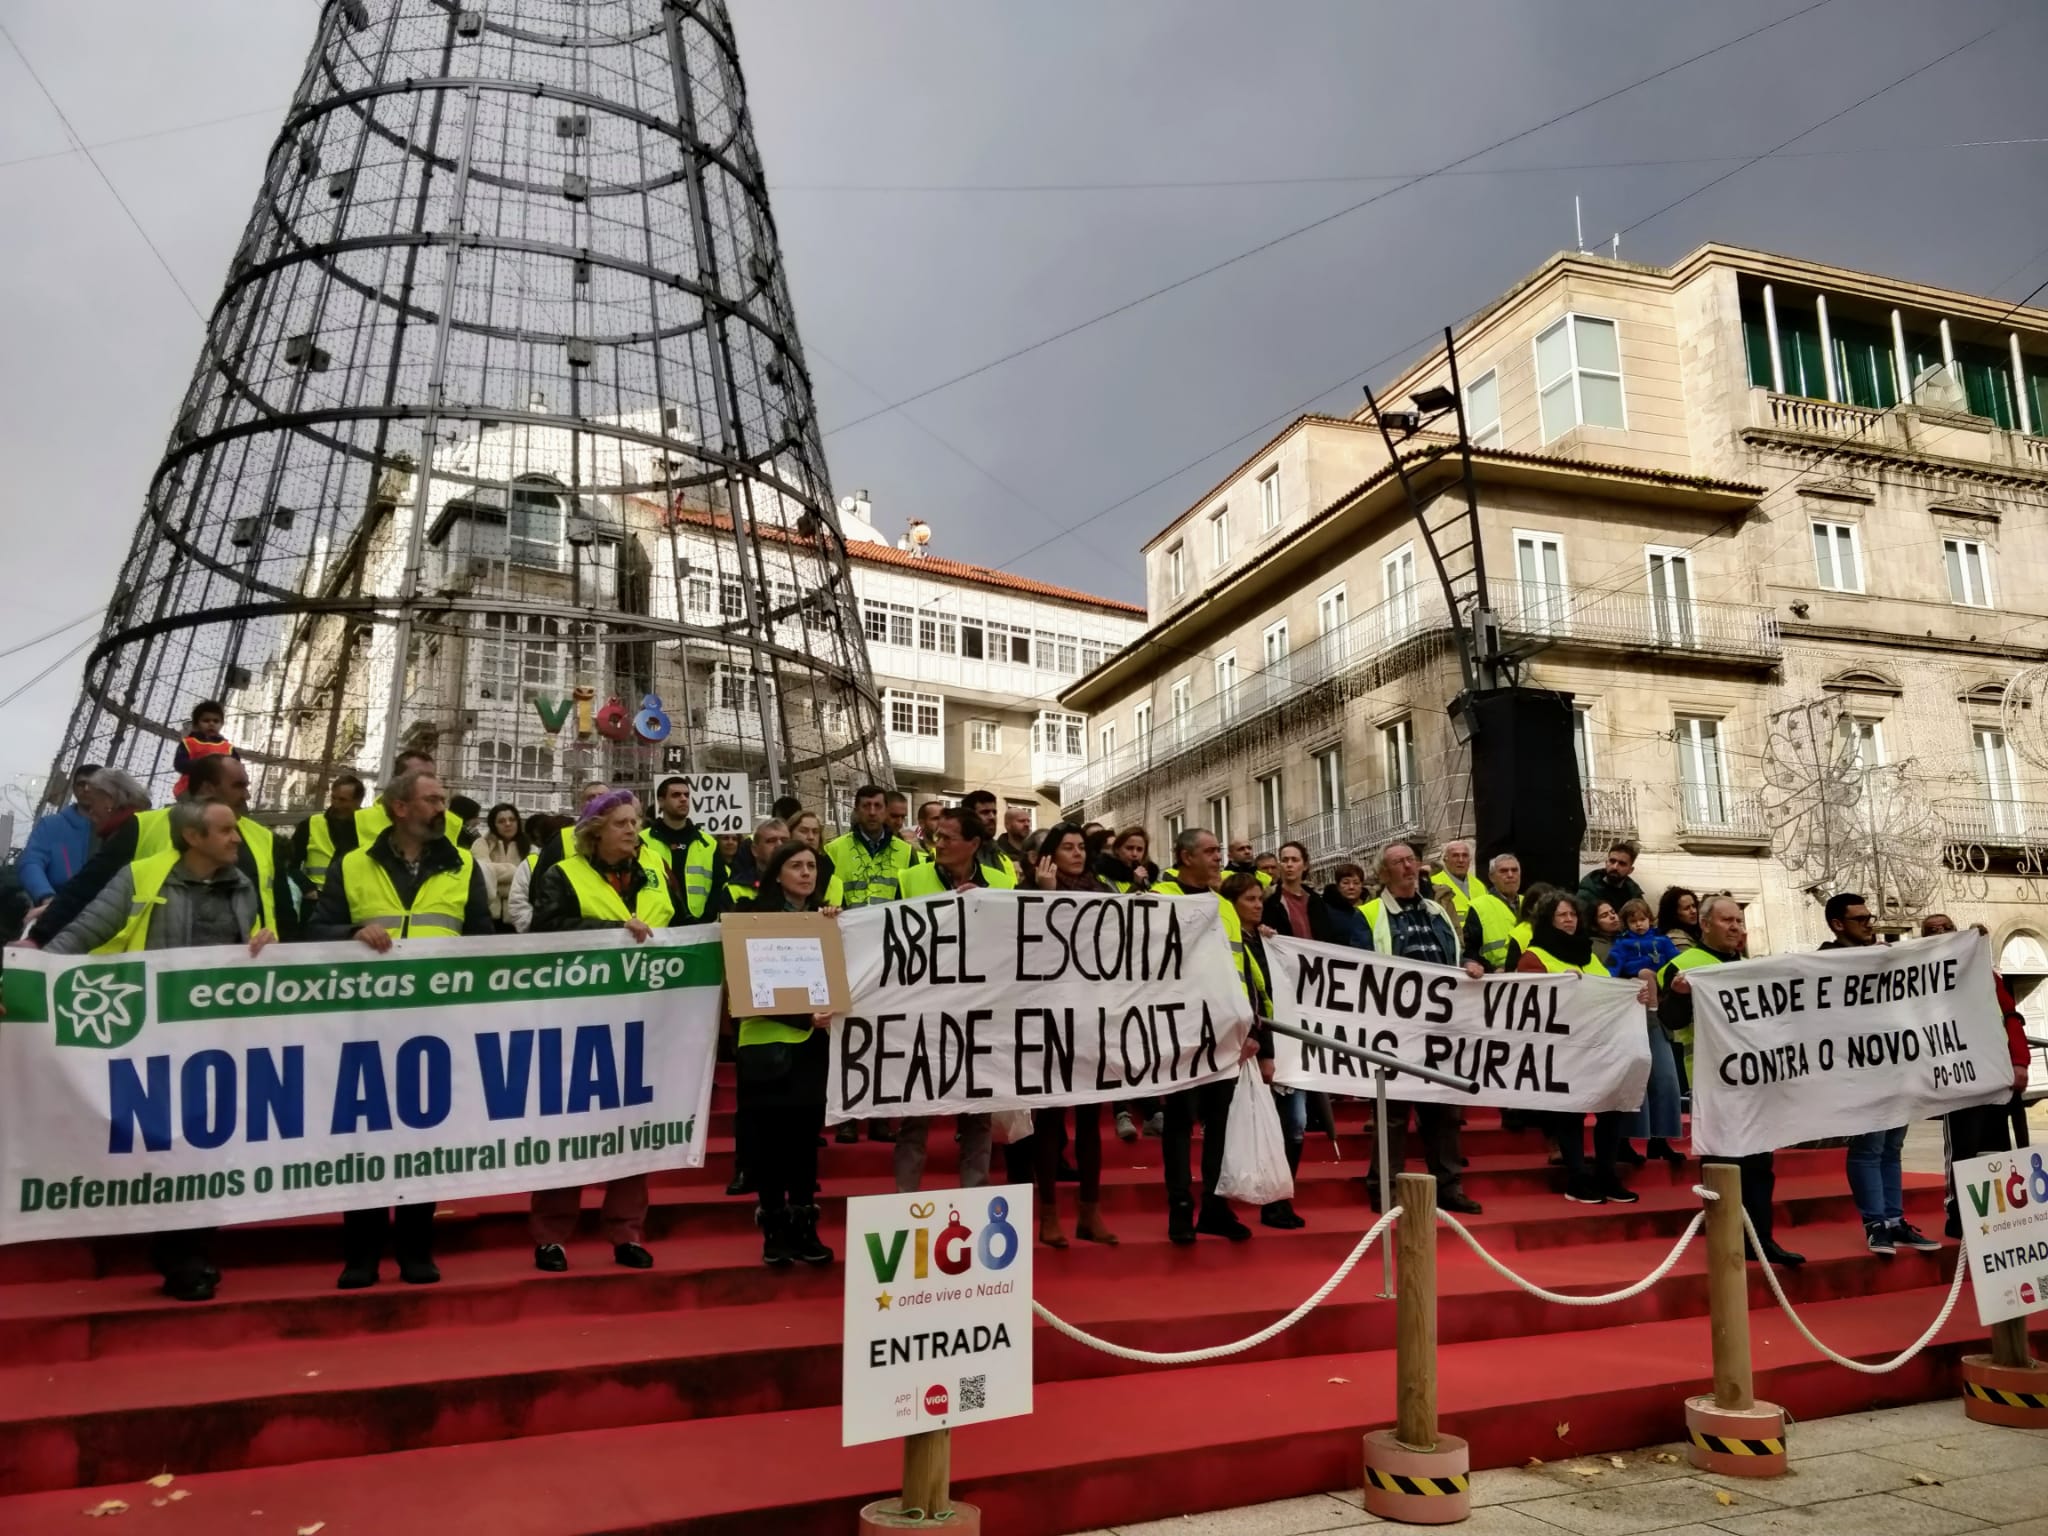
(1836, 565)
(1996, 777)
(914, 714)
(536, 762)
(516, 652)
(1702, 776)
(697, 595)
(1068, 660)
(1582, 744)
(494, 761)
(732, 688)
(874, 619)
(1397, 750)
(1275, 643)
(1670, 582)
(1093, 654)
(1330, 780)
(1020, 647)
(1226, 685)
(1397, 590)
(1269, 500)
(1105, 738)
(1539, 565)
(1578, 375)
(732, 598)
(900, 619)
(1176, 570)
(984, 736)
(972, 640)
(1141, 719)
(1333, 610)
(1219, 818)
(1862, 743)
(1482, 410)
(1969, 572)
(1176, 823)
(1219, 537)
(535, 523)
(1057, 734)
(1272, 806)
(1180, 703)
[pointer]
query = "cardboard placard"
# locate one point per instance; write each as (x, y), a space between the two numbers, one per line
(801, 962)
(719, 803)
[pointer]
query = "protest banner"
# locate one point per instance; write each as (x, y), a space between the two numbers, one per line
(719, 804)
(2003, 1202)
(1842, 1041)
(993, 1000)
(199, 1087)
(938, 1311)
(1557, 1041)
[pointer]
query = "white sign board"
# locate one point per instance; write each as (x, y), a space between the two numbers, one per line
(775, 964)
(992, 1000)
(201, 1087)
(2003, 1201)
(719, 803)
(1842, 1041)
(938, 1311)
(1560, 1041)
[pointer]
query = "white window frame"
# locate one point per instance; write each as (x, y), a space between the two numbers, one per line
(1272, 789)
(1674, 620)
(1219, 818)
(1397, 758)
(1105, 738)
(1176, 823)
(1270, 515)
(1574, 371)
(1834, 531)
(918, 704)
(1484, 433)
(1177, 569)
(1702, 772)
(1582, 742)
(1551, 604)
(1224, 674)
(984, 735)
(1998, 777)
(1219, 536)
(1960, 570)
(1141, 720)
(1857, 731)
(1274, 662)
(1334, 604)
(1329, 766)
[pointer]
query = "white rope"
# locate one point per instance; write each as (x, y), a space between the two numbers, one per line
(1561, 1298)
(1955, 1292)
(1218, 1351)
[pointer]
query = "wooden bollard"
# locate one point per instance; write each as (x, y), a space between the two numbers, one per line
(2008, 1386)
(1731, 1432)
(1414, 1473)
(927, 1502)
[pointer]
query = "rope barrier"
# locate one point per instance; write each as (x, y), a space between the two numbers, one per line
(1955, 1292)
(1627, 1293)
(1219, 1351)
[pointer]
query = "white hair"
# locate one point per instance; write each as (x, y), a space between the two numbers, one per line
(1493, 864)
(1707, 904)
(126, 793)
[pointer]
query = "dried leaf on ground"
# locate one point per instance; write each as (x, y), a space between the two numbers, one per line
(1665, 1459)
(161, 1480)
(159, 1503)
(1340, 1381)
(314, 1529)
(1564, 1428)
(1582, 1470)
(1616, 1461)
(109, 1507)
(180, 1493)
(1925, 1480)
(1533, 1461)
(1723, 1498)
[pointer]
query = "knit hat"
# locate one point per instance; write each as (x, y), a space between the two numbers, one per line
(605, 804)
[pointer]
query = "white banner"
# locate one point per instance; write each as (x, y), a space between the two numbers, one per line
(201, 1087)
(989, 1000)
(938, 1311)
(719, 805)
(1564, 1041)
(1834, 1043)
(2003, 1202)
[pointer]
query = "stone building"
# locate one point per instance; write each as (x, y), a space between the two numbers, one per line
(1776, 527)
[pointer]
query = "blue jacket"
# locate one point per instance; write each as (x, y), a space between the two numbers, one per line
(57, 849)
(1633, 953)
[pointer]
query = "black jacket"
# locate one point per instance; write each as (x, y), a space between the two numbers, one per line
(330, 918)
(1322, 927)
(556, 909)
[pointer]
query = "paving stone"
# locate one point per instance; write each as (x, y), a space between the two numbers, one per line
(1651, 1506)
(1813, 1479)
(1850, 1432)
(2003, 1497)
(1286, 1517)
(1969, 1453)
(1880, 1514)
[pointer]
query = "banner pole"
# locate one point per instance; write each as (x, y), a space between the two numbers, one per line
(928, 1472)
(1386, 1178)
(1730, 1432)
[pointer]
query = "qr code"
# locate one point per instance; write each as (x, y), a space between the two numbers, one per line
(973, 1393)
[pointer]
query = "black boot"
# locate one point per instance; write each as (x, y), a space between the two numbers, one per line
(1219, 1220)
(739, 1183)
(1180, 1221)
(804, 1242)
(1281, 1214)
(775, 1226)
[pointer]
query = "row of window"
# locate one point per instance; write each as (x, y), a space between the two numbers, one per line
(1180, 568)
(1838, 564)
(1053, 732)
(945, 634)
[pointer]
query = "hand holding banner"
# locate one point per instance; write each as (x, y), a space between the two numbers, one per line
(1550, 1042)
(1842, 1041)
(991, 1000)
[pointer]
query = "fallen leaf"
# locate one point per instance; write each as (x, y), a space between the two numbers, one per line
(1665, 1458)
(1924, 1480)
(180, 1493)
(1616, 1461)
(159, 1503)
(1585, 1471)
(314, 1529)
(1564, 1429)
(311, 1374)
(1533, 1461)
(110, 1507)
(1340, 1381)
(1723, 1498)
(161, 1480)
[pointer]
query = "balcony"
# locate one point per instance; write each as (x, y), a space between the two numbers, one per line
(1714, 813)
(1814, 418)
(1370, 824)
(1388, 635)
(1050, 769)
(1637, 621)
(1610, 812)
(1993, 823)
(924, 754)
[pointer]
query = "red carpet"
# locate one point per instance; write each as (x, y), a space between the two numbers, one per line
(702, 1396)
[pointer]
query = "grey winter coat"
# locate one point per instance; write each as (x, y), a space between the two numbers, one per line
(223, 910)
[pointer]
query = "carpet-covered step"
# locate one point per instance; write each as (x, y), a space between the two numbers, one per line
(1202, 1438)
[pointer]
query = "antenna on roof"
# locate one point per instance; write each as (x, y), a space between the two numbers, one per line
(1616, 252)
(1579, 223)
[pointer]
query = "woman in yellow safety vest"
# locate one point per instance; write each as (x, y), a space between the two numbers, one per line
(781, 1066)
(1560, 939)
(606, 883)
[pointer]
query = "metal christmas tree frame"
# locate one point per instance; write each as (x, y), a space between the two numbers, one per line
(501, 420)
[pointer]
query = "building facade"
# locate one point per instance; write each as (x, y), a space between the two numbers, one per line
(1776, 527)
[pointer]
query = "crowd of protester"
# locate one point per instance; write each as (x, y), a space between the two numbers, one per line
(109, 872)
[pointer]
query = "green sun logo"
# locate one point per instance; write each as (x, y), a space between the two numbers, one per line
(101, 1007)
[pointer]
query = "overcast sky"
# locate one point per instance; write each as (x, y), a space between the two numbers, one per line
(958, 179)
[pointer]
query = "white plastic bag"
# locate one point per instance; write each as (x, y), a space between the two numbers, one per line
(1007, 1126)
(1254, 1152)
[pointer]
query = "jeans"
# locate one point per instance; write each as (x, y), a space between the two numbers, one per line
(1659, 1116)
(910, 1143)
(1293, 1108)
(1875, 1178)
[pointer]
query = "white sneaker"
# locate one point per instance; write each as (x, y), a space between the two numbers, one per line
(1126, 1127)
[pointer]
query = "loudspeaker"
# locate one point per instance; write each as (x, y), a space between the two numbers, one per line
(1525, 783)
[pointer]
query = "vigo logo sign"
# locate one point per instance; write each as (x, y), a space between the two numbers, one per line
(613, 721)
